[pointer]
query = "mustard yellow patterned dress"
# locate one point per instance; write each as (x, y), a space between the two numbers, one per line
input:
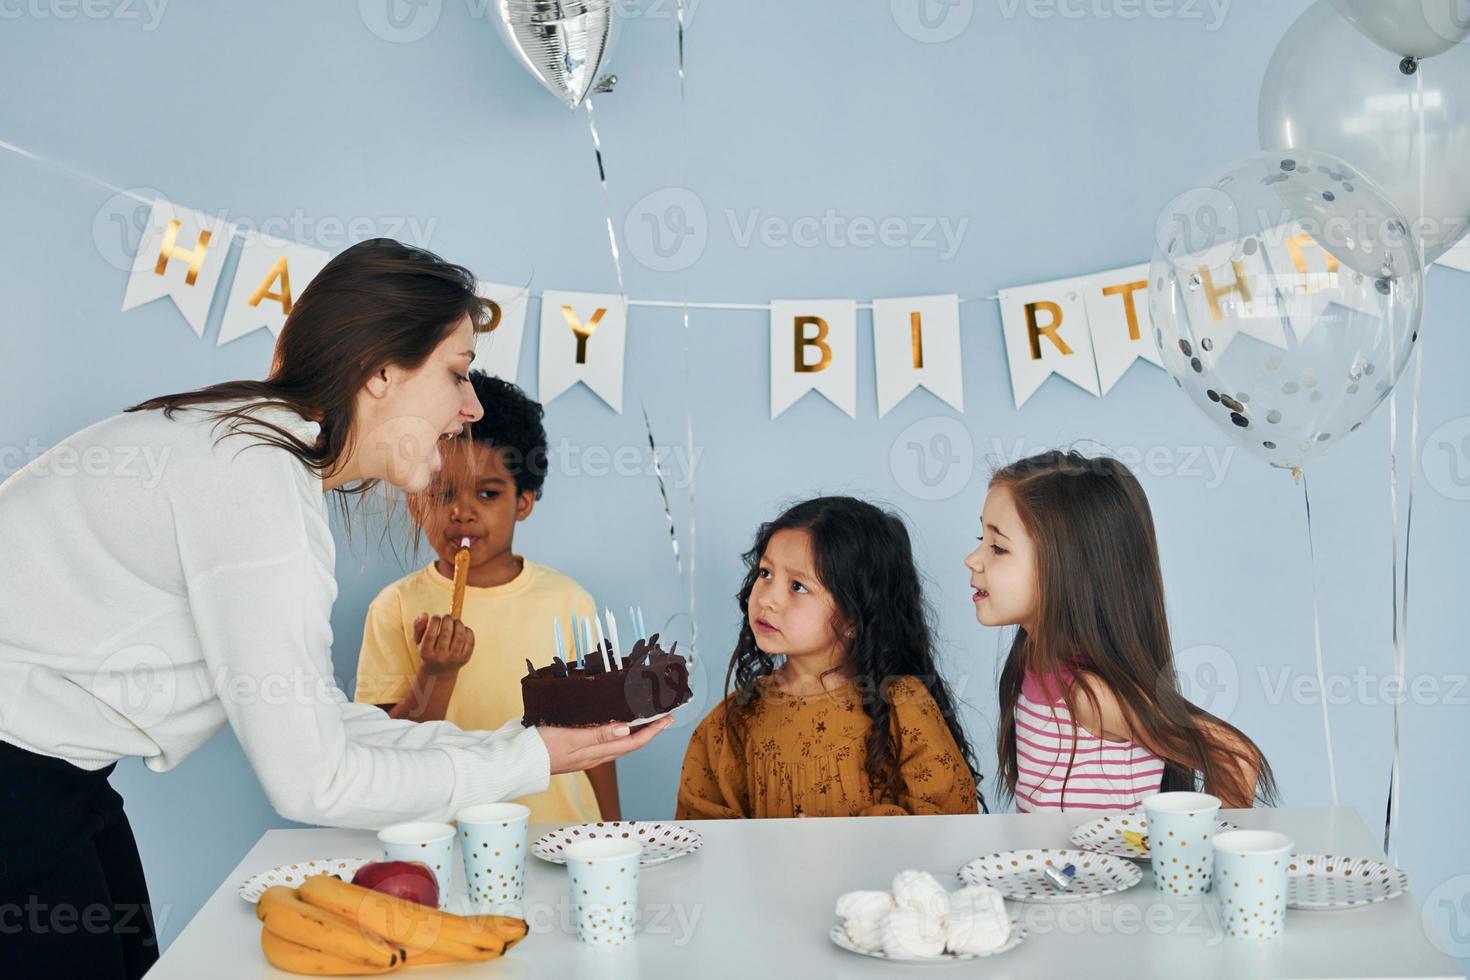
(806, 755)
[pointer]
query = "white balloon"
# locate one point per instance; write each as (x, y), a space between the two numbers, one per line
(1412, 28)
(1328, 88)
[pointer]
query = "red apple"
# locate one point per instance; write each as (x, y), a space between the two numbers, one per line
(412, 880)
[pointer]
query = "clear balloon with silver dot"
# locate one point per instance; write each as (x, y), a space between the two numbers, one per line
(1285, 295)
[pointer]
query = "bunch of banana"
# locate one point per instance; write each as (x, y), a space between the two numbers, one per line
(329, 927)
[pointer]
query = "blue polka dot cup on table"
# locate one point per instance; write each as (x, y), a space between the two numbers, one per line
(1250, 880)
(430, 843)
(492, 839)
(604, 877)
(1180, 826)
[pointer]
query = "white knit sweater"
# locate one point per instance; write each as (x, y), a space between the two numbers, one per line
(156, 584)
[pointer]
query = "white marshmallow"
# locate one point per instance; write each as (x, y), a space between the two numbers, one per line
(862, 914)
(920, 891)
(977, 922)
(911, 934)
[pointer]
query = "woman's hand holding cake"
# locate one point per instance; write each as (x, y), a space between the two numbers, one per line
(577, 749)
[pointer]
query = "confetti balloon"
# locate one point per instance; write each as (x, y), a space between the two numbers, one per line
(1285, 294)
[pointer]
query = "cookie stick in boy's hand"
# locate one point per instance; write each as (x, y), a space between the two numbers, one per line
(461, 577)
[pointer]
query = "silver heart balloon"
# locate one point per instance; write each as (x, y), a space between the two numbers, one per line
(564, 43)
(1412, 28)
(1328, 88)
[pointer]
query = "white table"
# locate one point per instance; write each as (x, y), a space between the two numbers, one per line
(757, 901)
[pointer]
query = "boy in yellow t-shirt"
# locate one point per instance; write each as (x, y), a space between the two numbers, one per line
(419, 663)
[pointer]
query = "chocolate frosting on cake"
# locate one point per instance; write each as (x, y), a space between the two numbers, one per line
(649, 681)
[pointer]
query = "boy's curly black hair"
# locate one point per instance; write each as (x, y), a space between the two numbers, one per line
(512, 424)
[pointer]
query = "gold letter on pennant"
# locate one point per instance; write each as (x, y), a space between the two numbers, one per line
(281, 272)
(1034, 331)
(802, 342)
(1126, 290)
(582, 332)
(1240, 285)
(171, 250)
(916, 337)
(1294, 246)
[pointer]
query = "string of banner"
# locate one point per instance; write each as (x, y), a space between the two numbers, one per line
(1088, 329)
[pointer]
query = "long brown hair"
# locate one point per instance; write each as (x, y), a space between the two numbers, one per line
(1100, 609)
(865, 560)
(378, 303)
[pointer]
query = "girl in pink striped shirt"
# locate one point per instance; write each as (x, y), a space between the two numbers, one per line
(1091, 713)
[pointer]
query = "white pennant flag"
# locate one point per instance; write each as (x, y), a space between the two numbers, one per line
(1117, 318)
(1273, 286)
(814, 348)
(916, 341)
(1307, 278)
(180, 255)
(583, 338)
(498, 350)
(1457, 257)
(271, 275)
(1045, 327)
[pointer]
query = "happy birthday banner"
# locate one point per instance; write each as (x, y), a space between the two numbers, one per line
(1088, 329)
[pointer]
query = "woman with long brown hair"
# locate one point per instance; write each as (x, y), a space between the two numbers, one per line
(1091, 716)
(144, 608)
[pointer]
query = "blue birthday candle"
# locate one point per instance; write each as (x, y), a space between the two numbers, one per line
(576, 639)
(561, 648)
(633, 619)
(642, 626)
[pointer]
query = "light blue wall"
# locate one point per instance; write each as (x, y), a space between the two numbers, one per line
(1055, 140)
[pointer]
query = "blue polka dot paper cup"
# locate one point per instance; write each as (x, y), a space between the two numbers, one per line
(431, 843)
(1180, 826)
(492, 839)
(604, 876)
(1250, 880)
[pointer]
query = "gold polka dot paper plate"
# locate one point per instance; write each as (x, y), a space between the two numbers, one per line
(661, 842)
(1327, 881)
(1020, 875)
(292, 875)
(1123, 835)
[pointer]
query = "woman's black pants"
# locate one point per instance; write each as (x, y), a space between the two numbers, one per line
(73, 900)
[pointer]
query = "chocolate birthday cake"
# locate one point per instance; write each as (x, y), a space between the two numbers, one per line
(649, 681)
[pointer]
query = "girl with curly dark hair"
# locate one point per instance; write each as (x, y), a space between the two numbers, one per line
(854, 720)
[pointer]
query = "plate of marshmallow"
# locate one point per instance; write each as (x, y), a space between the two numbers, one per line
(918, 920)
